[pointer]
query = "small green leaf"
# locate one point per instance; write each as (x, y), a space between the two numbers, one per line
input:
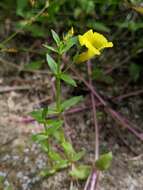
(104, 162)
(81, 172)
(69, 43)
(68, 148)
(68, 79)
(39, 137)
(37, 115)
(35, 65)
(54, 123)
(59, 135)
(44, 145)
(47, 172)
(56, 37)
(54, 156)
(54, 126)
(52, 64)
(70, 102)
(50, 48)
(41, 114)
(78, 156)
(61, 164)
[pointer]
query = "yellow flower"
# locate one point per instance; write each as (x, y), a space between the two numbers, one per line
(94, 42)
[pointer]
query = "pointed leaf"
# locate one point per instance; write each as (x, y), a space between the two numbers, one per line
(78, 156)
(50, 48)
(61, 164)
(80, 172)
(39, 137)
(69, 43)
(56, 37)
(47, 172)
(71, 102)
(52, 64)
(55, 156)
(68, 148)
(68, 79)
(54, 126)
(104, 162)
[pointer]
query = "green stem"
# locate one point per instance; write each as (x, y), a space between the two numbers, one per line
(58, 87)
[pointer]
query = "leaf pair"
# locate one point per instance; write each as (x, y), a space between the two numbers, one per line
(54, 68)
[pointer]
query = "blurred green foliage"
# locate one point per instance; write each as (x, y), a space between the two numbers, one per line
(120, 20)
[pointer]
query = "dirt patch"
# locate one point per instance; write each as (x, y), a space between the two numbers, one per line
(21, 160)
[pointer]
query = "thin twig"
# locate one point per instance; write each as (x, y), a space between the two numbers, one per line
(4, 89)
(135, 93)
(112, 112)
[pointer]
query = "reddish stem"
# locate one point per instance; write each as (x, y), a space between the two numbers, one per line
(89, 68)
(112, 112)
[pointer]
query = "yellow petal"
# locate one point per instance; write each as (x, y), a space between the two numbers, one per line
(86, 56)
(94, 42)
(100, 41)
(88, 36)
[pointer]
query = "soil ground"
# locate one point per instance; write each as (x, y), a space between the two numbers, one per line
(21, 159)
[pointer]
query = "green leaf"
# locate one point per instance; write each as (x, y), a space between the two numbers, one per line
(21, 5)
(81, 172)
(68, 79)
(69, 43)
(54, 123)
(47, 172)
(54, 126)
(61, 164)
(44, 145)
(39, 137)
(100, 26)
(56, 37)
(78, 156)
(41, 114)
(59, 135)
(35, 65)
(50, 48)
(104, 162)
(38, 116)
(68, 148)
(71, 102)
(54, 156)
(52, 64)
